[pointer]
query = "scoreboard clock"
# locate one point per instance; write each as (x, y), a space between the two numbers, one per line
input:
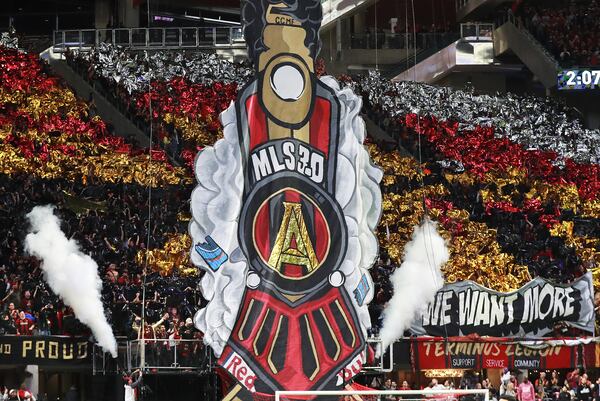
(579, 79)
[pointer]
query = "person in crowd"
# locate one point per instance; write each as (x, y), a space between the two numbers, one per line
(573, 379)
(377, 382)
(504, 380)
(541, 386)
(132, 385)
(565, 394)
(13, 395)
(571, 32)
(510, 389)
(25, 324)
(23, 394)
(434, 385)
(526, 391)
(541, 381)
(555, 381)
(390, 385)
(584, 390)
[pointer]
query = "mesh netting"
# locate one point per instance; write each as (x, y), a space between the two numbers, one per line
(334, 398)
(355, 386)
(227, 383)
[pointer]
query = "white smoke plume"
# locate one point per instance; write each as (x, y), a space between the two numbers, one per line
(71, 274)
(357, 192)
(415, 282)
(216, 203)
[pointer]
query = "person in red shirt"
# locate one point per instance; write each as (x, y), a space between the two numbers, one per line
(24, 394)
(573, 379)
(24, 325)
(124, 278)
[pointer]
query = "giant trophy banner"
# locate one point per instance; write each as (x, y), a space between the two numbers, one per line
(534, 310)
(284, 217)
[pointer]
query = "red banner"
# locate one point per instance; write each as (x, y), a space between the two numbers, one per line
(439, 354)
(591, 355)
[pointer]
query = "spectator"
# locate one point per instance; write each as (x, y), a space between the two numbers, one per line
(510, 390)
(570, 30)
(23, 394)
(132, 385)
(555, 381)
(434, 385)
(25, 324)
(504, 380)
(565, 394)
(573, 379)
(584, 389)
(526, 391)
(541, 381)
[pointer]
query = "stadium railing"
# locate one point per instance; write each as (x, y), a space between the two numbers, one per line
(149, 38)
(168, 354)
(384, 395)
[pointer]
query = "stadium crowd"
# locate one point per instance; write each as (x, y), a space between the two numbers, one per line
(188, 92)
(512, 205)
(573, 385)
(489, 178)
(106, 213)
(112, 231)
(569, 29)
(17, 394)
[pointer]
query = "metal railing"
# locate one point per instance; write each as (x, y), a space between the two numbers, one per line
(149, 38)
(460, 4)
(481, 32)
(421, 55)
(104, 364)
(510, 18)
(380, 364)
(414, 395)
(383, 40)
(477, 31)
(167, 354)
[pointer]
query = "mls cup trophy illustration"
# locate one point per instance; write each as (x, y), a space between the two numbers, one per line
(283, 217)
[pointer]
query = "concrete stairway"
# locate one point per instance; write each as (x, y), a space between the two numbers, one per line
(539, 61)
(473, 9)
(109, 113)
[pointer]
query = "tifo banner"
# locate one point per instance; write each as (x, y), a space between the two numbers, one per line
(440, 354)
(465, 308)
(284, 216)
(44, 350)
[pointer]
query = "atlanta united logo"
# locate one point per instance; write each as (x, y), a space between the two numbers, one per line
(283, 217)
(296, 231)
